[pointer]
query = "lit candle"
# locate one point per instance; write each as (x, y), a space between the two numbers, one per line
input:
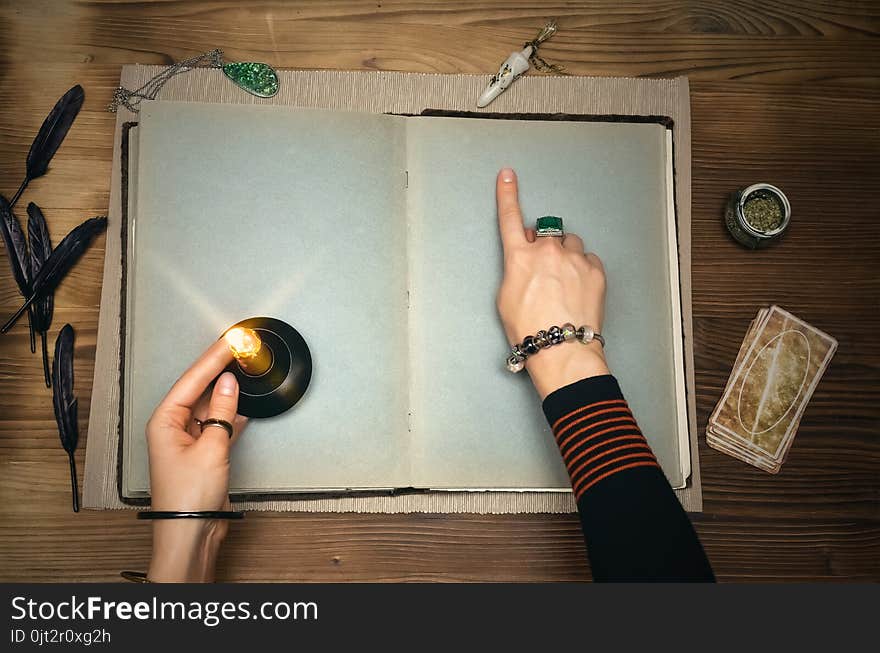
(250, 354)
(273, 365)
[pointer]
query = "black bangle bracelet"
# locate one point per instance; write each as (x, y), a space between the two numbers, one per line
(190, 514)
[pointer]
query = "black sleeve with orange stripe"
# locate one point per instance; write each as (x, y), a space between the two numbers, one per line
(635, 528)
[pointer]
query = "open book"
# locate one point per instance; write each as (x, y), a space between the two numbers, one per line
(375, 236)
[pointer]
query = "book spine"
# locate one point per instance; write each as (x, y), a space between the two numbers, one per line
(412, 222)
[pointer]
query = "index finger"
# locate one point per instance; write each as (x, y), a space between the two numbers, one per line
(193, 383)
(510, 220)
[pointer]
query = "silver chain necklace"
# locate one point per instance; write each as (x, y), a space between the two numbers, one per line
(258, 79)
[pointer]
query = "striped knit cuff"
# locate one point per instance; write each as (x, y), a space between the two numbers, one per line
(596, 432)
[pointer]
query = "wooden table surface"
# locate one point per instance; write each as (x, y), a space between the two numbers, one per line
(787, 93)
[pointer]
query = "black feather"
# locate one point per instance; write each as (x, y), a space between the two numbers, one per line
(16, 250)
(51, 135)
(59, 263)
(40, 250)
(64, 402)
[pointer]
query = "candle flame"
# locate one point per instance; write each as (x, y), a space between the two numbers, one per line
(244, 343)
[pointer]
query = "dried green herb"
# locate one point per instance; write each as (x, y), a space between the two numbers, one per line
(763, 212)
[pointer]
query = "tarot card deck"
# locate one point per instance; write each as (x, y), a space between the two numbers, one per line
(779, 365)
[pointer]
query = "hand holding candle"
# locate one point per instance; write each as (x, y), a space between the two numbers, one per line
(189, 469)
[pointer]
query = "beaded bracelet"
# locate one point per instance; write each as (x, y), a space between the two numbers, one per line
(552, 336)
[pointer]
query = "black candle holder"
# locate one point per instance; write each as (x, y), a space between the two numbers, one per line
(281, 386)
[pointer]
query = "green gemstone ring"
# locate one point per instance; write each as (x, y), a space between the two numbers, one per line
(549, 225)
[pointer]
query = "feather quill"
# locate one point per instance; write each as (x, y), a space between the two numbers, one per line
(59, 263)
(16, 247)
(51, 135)
(16, 250)
(40, 250)
(65, 403)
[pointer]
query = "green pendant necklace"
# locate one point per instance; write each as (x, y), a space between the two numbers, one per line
(258, 79)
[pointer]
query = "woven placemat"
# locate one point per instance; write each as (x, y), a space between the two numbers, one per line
(406, 93)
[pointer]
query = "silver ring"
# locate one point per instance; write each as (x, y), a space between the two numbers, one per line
(213, 421)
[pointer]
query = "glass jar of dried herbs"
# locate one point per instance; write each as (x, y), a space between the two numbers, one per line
(757, 215)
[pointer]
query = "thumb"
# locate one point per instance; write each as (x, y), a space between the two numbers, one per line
(223, 405)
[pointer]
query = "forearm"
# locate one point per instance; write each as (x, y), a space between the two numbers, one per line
(634, 526)
(185, 550)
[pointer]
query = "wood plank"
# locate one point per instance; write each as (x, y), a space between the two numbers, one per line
(322, 547)
(811, 18)
(755, 118)
(711, 42)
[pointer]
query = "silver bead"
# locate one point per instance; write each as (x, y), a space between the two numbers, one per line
(585, 334)
(515, 363)
(568, 331)
(541, 339)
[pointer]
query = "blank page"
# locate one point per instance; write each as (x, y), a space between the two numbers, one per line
(250, 211)
(475, 424)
